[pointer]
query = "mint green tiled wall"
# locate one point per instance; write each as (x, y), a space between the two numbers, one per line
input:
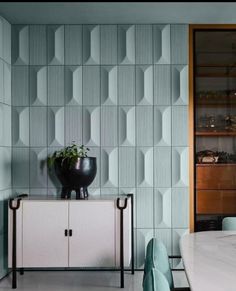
(122, 90)
(5, 137)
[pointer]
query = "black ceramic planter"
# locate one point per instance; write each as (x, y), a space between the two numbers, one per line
(77, 176)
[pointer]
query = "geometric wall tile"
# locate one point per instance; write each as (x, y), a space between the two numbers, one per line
(20, 126)
(1, 37)
(162, 167)
(95, 152)
(38, 40)
(109, 126)
(179, 125)
(20, 45)
(55, 126)
(91, 44)
(7, 83)
(52, 180)
(73, 44)
(165, 236)
(109, 85)
(91, 85)
(38, 85)
(144, 44)
(91, 126)
(161, 44)
(55, 44)
(38, 167)
(144, 125)
(109, 44)
(162, 85)
(179, 44)
(20, 167)
(1, 80)
(6, 41)
(109, 167)
(73, 124)
(144, 207)
(7, 125)
(20, 85)
(179, 166)
(176, 236)
(144, 167)
(1, 124)
(127, 126)
(162, 125)
(5, 167)
(144, 85)
(162, 208)
(126, 44)
(73, 85)
(126, 85)
(180, 205)
(38, 126)
(127, 167)
(56, 85)
(180, 85)
(143, 238)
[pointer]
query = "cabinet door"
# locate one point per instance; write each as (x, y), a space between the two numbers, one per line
(44, 240)
(93, 239)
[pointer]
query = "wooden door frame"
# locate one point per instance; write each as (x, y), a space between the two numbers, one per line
(192, 28)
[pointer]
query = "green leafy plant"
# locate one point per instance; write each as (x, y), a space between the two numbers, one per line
(70, 153)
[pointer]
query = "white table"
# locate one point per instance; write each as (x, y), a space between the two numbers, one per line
(210, 260)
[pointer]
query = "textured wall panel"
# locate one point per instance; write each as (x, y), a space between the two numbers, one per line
(127, 167)
(162, 85)
(165, 236)
(176, 236)
(7, 83)
(1, 124)
(126, 85)
(179, 125)
(161, 44)
(20, 167)
(55, 126)
(55, 44)
(144, 44)
(38, 85)
(1, 81)
(180, 85)
(180, 167)
(1, 37)
(109, 44)
(38, 47)
(127, 126)
(91, 85)
(143, 237)
(144, 85)
(179, 44)
(73, 85)
(56, 86)
(73, 44)
(144, 125)
(20, 85)
(91, 126)
(20, 126)
(162, 206)
(38, 168)
(144, 167)
(91, 44)
(109, 167)
(52, 180)
(109, 85)
(95, 152)
(162, 125)
(6, 41)
(5, 167)
(109, 128)
(144, 207)
(5, 125)
(162, 166)
(126, 44)
(180, 204)
(38, 126)
(73, 124)
(20, 45)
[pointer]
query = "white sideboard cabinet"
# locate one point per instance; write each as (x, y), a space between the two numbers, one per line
(70, 233)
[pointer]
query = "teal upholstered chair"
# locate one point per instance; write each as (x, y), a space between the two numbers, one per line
(155, 281)
(157, 258)
(229, 223)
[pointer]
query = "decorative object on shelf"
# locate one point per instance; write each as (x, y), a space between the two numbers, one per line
(74, 169)
(207, 156)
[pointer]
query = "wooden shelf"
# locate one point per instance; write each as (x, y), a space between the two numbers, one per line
(216, 165)
(215, 133)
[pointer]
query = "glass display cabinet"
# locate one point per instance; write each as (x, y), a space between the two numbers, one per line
(214, 115)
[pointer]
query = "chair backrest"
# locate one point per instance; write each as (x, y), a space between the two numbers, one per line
(229, 223)
(155, 281)
(157, 258)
